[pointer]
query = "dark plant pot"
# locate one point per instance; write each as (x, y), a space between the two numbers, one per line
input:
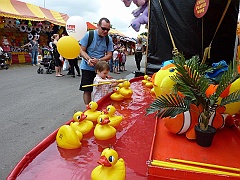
(204, 138)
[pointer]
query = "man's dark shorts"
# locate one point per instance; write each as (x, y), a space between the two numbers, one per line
(87, 78)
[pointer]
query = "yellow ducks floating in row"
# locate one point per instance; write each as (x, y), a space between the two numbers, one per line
(122, 91)
(69, 136)
(115, 120)
(104, 131)
(91, 111)
(147, 81)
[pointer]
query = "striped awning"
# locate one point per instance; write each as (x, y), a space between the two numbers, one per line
(26, 11)
(116, 32)
(91, 26)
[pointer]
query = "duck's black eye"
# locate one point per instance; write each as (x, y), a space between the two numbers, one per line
(111, 159)
(108, 109)
(78, 117)
(100, 119)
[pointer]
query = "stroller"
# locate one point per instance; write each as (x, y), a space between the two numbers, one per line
(4, 59)
(47, 62)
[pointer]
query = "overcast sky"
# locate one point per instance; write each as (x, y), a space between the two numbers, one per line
(92, 10)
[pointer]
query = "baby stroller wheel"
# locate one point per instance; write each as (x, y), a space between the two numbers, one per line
(6, 67)
(41, 71)
(50, 71)
(38, 71)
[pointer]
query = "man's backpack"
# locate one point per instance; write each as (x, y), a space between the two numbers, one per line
(90, 39)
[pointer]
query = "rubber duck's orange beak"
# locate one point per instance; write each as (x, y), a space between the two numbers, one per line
(87, 106)
(105, 121)
(105, 111)
(83, 117)
(103, 161)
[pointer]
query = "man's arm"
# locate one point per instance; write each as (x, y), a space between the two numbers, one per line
(84, 54)
(107, 57)
(90, 61)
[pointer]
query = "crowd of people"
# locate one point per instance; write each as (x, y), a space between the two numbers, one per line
(119, 59)
(103, 55)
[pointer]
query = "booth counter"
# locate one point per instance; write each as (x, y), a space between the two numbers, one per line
(20, 57)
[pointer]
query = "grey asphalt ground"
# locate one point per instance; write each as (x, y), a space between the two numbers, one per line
(34, 105)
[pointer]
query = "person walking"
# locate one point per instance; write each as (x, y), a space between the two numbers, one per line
(102, 69)
(56, 56)
(120, 60)
(124, 59)
(33, 46)
(74, 63)
(138, 52)
(100, 49)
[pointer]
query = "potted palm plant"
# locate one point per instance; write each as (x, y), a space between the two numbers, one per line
(190, 88)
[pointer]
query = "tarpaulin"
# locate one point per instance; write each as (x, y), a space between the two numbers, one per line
(26, 11)
(191, 35)
(91, 26)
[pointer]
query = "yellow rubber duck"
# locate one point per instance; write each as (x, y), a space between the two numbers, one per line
(68, 138)
(103, 131)
(92, 113)
(162, 83)
(231, 108)
(152, 91)
(120, 85)
(145, 79)
(126, 91)
(116, 96)
(114, 119)
(80, 124)
(149, 82)
(110, 166)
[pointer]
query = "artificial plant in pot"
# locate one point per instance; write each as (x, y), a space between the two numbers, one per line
(190, 88)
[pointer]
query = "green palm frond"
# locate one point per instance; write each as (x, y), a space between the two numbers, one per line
(228, 78)
(231, 98)
(169, 105)
(190, 81)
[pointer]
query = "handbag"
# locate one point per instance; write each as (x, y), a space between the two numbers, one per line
(65, 65)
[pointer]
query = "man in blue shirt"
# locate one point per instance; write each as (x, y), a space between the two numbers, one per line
(98, 50)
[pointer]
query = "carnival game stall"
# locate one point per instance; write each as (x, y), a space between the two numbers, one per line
(17, 38)
(20, 21)
(117, 138)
